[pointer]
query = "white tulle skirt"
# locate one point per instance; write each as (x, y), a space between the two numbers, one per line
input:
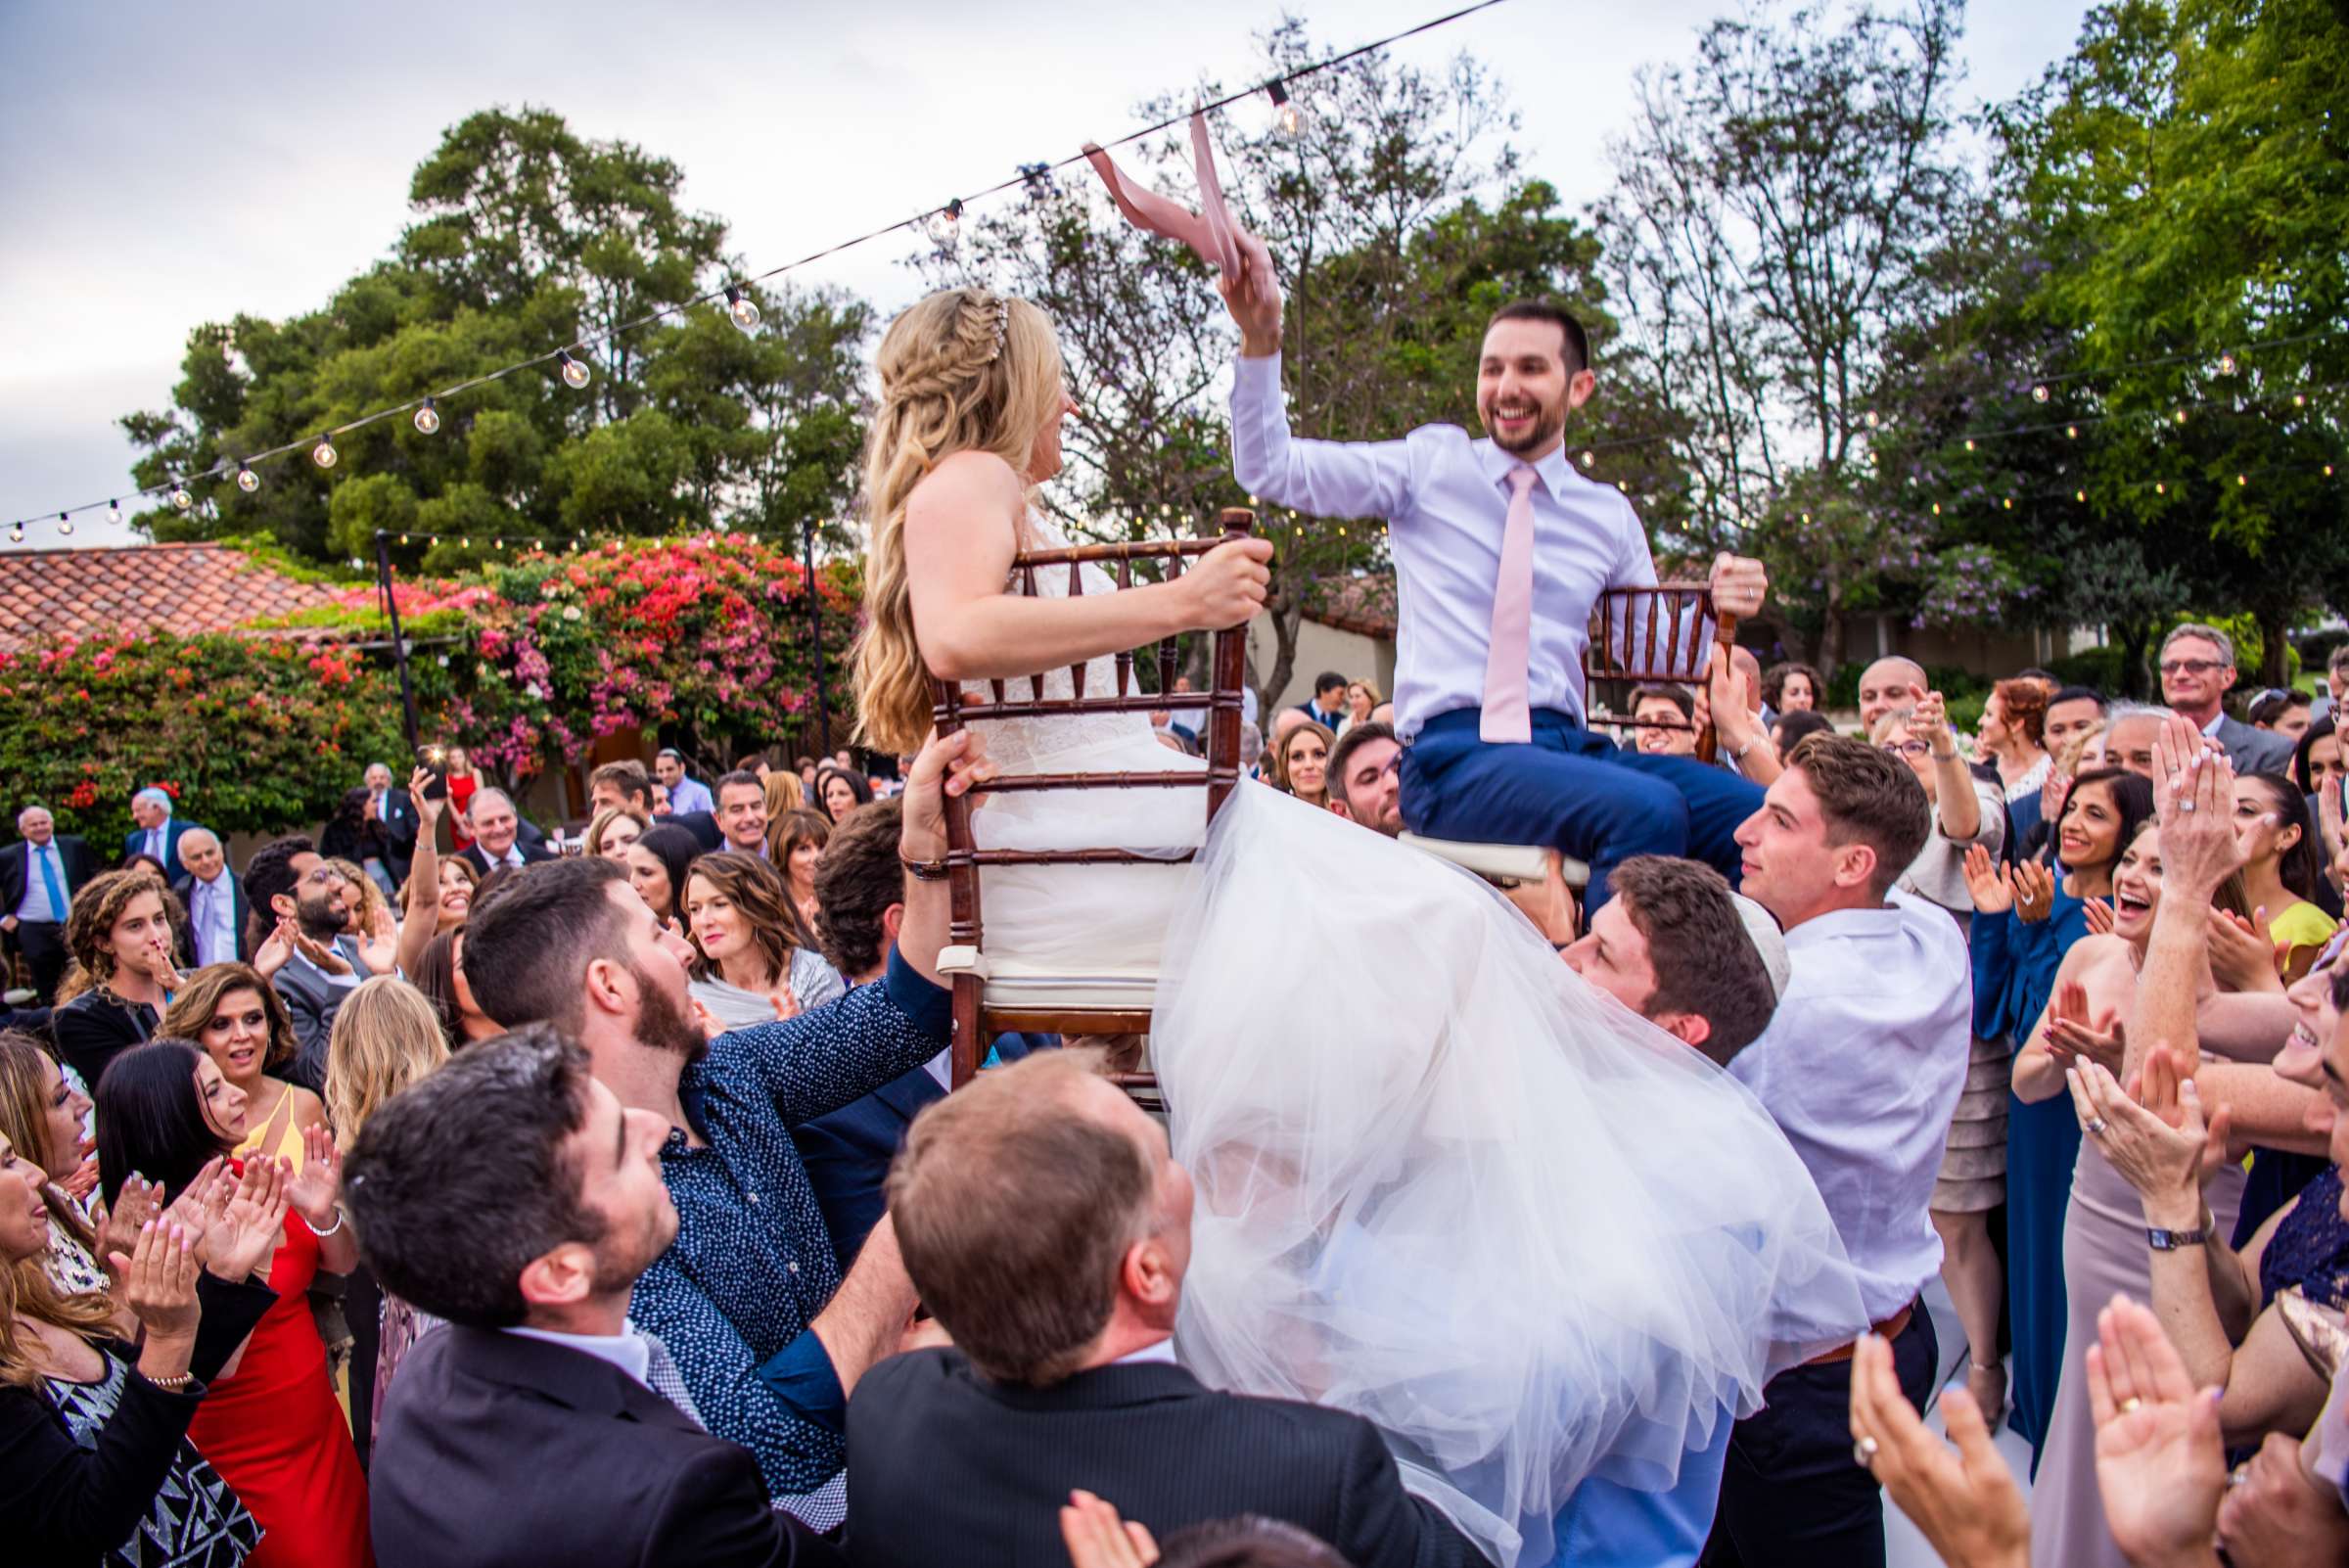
(1448, 1185)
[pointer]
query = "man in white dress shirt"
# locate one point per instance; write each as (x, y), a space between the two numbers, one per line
(1862, 1067)
(216, 908)
(1501, 551)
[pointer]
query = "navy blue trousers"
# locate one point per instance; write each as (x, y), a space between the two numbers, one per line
(1575, 791)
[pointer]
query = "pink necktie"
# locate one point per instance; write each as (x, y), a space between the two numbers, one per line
(1507, 713)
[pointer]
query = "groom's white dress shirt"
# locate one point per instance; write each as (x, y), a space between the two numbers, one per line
(1447, 498)
(1862, 1067)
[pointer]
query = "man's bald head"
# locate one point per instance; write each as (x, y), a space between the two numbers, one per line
(200, 853)
(35, 825)
(1887, 684)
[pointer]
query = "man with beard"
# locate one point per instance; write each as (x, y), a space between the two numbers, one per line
(292, 891)
(1502, 549)
(769, 1336)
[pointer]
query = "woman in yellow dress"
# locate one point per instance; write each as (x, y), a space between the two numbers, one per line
(2280, 868)
(233, 1015)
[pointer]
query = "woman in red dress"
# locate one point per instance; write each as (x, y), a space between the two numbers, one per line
(271, 1426)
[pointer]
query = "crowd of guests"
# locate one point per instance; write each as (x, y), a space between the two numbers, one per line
(444, 1188)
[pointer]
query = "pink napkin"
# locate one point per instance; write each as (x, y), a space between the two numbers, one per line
(1220, 242)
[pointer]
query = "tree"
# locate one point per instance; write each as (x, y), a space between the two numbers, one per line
(1397, 222)
(1775, 204)
(2185, 163)
(527, 238)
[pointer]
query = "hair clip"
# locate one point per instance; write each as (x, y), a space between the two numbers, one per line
(1002, 326)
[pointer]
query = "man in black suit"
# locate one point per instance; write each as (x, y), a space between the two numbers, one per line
(39, 874)
(511, 1194)
(1047, 1225)
(219, 915)
(1329, 707)
(498, 839)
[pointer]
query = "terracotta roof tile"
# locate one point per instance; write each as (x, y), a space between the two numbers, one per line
(183, 588)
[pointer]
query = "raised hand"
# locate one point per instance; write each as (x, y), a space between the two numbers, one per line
(2241, 958)
(428, 809)
(1096, 1538)
(2158, 1460)
(317, 953)
(2073, 1036)
(254, 1221)
(1989, 884)
(784, 1001)
(1726, 700)
(1254, 297)
(317, 1188)
(1739, 583)
(2098, 914)
(159, 1280)
(82, 1180)
(2193, 804)
(203, 1202)
(139, 1202)
(1964, 1499)
(2034, 893)
(2165, 1163)
(271, 955)
(1228, 587)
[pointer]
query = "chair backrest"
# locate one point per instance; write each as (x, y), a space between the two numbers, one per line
(1220, 703)
(1645, 636)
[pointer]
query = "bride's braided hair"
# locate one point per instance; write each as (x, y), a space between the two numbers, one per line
(964, 370)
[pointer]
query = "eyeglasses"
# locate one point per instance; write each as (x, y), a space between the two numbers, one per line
(2189, 666)
(1913, 748)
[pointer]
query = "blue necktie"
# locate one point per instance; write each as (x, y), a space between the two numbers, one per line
(50, 880)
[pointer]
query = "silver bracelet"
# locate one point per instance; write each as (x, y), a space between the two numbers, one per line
(330, 1229)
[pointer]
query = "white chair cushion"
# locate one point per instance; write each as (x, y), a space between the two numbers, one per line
(1012, 982)
(1515, 863)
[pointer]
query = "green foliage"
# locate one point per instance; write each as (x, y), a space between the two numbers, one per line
(527, 238)
(249, 734)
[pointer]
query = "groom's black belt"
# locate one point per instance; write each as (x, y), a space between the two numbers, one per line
(1890, 1328)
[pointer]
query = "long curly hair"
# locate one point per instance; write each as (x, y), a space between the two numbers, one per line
(90, 923)
(964, 370)
(757, 891)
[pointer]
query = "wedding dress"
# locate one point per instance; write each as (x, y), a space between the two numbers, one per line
(1443, 1183)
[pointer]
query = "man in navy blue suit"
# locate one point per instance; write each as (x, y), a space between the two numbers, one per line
(158, 832)
(859, 893)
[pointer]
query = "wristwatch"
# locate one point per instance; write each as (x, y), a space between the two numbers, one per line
(2171, 1240)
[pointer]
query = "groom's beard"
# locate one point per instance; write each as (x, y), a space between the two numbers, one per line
(663, 1025)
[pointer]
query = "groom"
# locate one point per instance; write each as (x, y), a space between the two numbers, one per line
(1501, 551)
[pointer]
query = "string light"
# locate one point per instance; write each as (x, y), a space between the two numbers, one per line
(404, 538)
(2227, 365)
(324, 454)
(65, 524)
(1969, 443)
(1285, 114)
(2009, 503)
(575, 371)
(428, 419)
(180, 497)
(1870, 417)
(247, 480)
(1589, 458)
(113, 513)
(1037, 177)
(2040, 394)
(2072, 431)
(15, 534)
(2081, 497)
(742, 307)
(2242, 478)
(2159, 488)
(2181, 416)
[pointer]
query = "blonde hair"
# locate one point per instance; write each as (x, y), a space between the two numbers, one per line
(385, 1036)
(784, 793)
(964, 370)
(603, 824)
(26, 1293)
(372, 902)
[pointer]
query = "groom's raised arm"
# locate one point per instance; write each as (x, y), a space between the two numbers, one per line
(1329, 479)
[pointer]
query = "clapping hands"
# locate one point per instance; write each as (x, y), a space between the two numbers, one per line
(159, 1280)
(2158, 1460)
(2027, 887)
(1966, 1501)
(2073, 1036)
(313, 1191)
(2243, 957)
(251, 1221)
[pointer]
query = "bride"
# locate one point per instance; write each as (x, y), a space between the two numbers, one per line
(1442, 1181)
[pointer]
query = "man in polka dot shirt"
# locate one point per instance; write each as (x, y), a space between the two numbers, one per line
(750, 1300)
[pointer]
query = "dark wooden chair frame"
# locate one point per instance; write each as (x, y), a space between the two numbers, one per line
(1683, 656)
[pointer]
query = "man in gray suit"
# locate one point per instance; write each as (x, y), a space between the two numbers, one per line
(2197, 670)
(288, 881)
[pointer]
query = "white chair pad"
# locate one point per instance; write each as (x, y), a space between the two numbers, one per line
(1012, 982)
(1517, 862)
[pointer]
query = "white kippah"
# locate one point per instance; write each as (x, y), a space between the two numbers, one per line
(1769, 940)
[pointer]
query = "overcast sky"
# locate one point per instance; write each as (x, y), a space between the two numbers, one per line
(169, 165)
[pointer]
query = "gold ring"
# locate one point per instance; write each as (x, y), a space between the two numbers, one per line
(2132, 1405)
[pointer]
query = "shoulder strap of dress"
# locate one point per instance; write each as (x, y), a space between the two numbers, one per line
(273, 1134)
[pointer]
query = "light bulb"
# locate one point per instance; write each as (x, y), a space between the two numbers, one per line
(575, 371)
(247, 480)
(15, 534)
(2072, 431)
(2079, 496)
(2242, 478)
(1937, 509)
(404, 538)
(2227, 365)
(1969, 443)
(113, 513)
(465, 542)
(2181, 416)
(1285, 114)
(2299, 399)
(428, 419)
(742, 309)
(324, 454)
(180, 497)
(1872, 419)
(2009, 503)
(2159, 488)
(2040, 393)
(1589, 458)
(65, 524)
